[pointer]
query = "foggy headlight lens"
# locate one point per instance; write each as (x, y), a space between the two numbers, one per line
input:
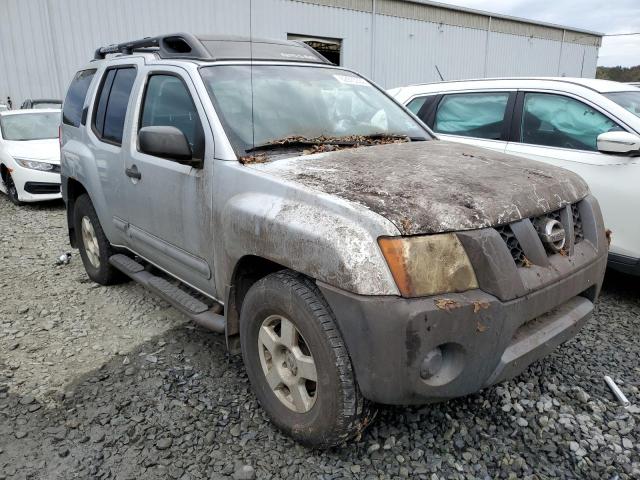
(33, 165)
(428, 265)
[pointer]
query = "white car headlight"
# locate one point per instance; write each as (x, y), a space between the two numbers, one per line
(33, 165)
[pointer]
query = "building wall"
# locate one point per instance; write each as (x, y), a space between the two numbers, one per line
(43, 42)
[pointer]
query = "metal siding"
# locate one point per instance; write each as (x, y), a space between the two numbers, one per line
(44, 42)
(359, 5)
(512, 55)
(407, 51)
(276, 18)
(431, 13)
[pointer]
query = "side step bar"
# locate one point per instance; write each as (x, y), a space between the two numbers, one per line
(199, 312)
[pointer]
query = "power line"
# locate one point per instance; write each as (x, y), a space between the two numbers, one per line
(620, 34)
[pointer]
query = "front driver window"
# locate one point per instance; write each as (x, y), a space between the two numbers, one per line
(559, 121)
(167, 102)
(479, 115)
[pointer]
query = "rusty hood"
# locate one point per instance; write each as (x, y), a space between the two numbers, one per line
(435, 186)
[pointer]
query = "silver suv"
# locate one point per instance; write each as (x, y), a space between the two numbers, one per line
(292, 205)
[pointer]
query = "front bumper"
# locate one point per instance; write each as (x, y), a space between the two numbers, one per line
(479, 337)
(624, 264)
(36, 185)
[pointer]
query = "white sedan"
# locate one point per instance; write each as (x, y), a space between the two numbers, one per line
(30, 155)
(591, 127)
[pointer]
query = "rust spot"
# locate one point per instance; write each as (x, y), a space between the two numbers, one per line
(249, 159)
(446, 304)
(608, 234)
(406, 224)
(478, 305)
(564, 252)
(480, 327)
(527, 263)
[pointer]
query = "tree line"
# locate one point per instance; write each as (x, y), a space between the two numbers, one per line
(619, 74)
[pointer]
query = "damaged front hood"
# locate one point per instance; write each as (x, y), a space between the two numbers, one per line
(435, 186)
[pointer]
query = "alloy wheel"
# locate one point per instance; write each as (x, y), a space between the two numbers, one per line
(288, 364)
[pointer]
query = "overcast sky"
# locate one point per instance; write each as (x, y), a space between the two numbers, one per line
(605, 16)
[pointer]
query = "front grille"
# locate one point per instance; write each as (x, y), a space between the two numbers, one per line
(515, 248)
(512, 244)
(577, 223)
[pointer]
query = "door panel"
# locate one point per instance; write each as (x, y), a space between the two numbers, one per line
(613, 179)
(169, 214)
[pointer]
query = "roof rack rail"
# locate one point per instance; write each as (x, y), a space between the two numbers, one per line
(182, 45)
(216, 47)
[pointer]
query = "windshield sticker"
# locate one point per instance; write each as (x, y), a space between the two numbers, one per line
(349, 80)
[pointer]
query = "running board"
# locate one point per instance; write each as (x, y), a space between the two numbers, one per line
(199, 312)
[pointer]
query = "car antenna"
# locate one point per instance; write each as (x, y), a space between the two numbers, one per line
(439, 74)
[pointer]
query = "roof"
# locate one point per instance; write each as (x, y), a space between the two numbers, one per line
(601, 86)
(216, 47)
(506, 17)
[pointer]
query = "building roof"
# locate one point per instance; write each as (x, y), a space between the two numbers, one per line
(506, 17)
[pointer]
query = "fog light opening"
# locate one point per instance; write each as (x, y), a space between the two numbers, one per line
(442, 364)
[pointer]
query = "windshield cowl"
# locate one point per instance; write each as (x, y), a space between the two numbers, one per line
(309, 146)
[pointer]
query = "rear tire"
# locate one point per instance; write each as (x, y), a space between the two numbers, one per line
(288, 336)
(12, 191)
(94, 246)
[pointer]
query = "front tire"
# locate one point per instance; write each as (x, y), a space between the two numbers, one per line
(94, 246)
(298, 364)
(12, 191)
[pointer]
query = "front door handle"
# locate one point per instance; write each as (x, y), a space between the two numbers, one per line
(133, 172)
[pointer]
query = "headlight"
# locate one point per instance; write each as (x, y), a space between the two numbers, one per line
(33, 165)
(428, 265)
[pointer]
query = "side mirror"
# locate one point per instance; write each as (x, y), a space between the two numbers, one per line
(167, 142)
(618, 142)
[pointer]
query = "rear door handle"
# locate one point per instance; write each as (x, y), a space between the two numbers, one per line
(133, 172)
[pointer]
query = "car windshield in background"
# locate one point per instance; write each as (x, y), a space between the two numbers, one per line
(628, 100)
(47, 104)
(30, 126)
(307, 102)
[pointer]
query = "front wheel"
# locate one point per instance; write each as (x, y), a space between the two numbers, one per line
(298, 363)
(93, 244)
(12, 191)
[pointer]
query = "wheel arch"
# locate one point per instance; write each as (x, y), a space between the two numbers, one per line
(246, 272)
(73, 189)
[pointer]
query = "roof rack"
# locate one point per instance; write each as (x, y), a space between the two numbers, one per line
(182, 45)
(188, 46)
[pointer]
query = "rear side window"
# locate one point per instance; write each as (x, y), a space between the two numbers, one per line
(478, 115)
(74, 101)
(167, 102)
(111, 104)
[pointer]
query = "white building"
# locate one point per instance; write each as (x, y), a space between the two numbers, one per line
(394, 42)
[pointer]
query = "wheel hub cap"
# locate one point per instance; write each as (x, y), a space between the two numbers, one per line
(90, 242)
(287, 363)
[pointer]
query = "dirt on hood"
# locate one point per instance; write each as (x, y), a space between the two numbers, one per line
(435, 186)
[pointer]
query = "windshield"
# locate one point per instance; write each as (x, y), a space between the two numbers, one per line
(628, 100)
(30, 126)
(51, 104)
(302, 101)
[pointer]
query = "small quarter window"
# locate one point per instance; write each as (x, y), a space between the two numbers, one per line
(74, 101)
(167, 102)
(111, 107)
(478, 115)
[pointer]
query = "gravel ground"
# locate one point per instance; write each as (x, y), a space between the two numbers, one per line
(111, 382)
